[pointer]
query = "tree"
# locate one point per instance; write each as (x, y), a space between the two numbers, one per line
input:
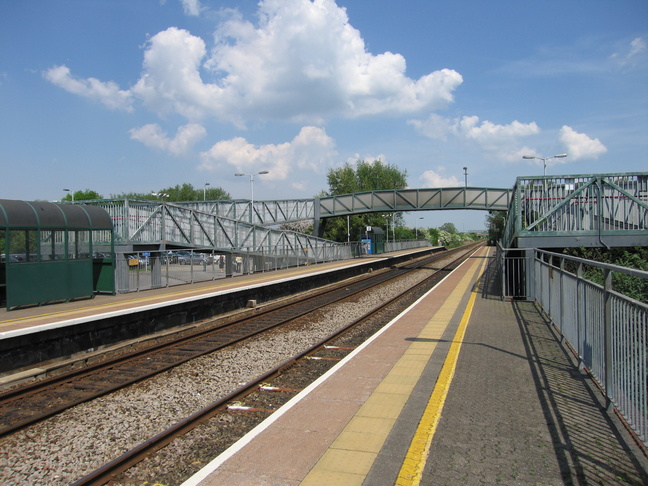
(86, 195)
(180, 193)
(433, 235)
(187, 192)
(362, 177)
(637, 258)
(448, 228)
(496, 222)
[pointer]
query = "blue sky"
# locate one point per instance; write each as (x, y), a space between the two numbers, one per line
(136, 95)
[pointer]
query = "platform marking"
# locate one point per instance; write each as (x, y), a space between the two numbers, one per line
(367, 437)
(160, 300)
(222, 285)
(201, 475)
(412, 470)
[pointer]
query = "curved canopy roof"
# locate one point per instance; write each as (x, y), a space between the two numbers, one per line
(46, 215)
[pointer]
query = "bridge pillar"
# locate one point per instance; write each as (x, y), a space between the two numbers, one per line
(156, 270)
(228, 264)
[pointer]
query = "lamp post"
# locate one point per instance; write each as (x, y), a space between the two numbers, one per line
(388, 216)
(205, 191)
(251, 176)
(71, 193)
(544, 160)
(465, 176)
(161, 195)
(417, 228)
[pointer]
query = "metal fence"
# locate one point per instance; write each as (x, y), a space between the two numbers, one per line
(137, 271)
(607, 330)
(568, 210)
(144, 270)
(153, 223)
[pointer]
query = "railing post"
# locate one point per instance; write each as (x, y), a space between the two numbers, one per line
(562, 301)
(529, 270)
(608, 337)
(500, 257)
(138, 271)
(580, 315)
(191, 255)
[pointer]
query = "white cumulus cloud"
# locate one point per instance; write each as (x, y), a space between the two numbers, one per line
(488, 132)
(305, 60)
(432, 178)
(107, 93)
(312, 150)
(301, 61)
(172, 82)
(191, 7)
(579, 145)
(500, 139)
(153, 136)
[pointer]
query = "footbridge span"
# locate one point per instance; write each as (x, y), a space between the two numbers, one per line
(429, 199)
(542, 212)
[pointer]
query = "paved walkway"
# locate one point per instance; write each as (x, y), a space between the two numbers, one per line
(520, 412)
(462, 389)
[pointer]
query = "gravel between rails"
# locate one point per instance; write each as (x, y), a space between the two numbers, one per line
(74, 443)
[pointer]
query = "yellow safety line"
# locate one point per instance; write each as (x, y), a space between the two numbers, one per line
(219, 286)
(412, 470)
(260, 279)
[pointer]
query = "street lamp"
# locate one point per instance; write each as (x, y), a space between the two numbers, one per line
(161, 195)
(388, 215)
(251, 176)
(465, 176)
(417, 228)
(205, 191)
(544, 160)
(71, 193)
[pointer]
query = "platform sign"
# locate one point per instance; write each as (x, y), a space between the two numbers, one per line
(366, 245)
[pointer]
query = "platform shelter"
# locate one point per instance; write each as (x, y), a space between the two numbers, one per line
(52, 252)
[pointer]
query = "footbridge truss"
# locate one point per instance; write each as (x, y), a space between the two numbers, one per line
(543, 212)
(152, 225)
(489, 199)
(234, 225)
(593, 210)
(268, 213)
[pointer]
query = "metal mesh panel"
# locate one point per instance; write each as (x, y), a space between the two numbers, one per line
(602, 205)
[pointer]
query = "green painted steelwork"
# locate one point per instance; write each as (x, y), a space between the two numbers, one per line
(428, 199)
(377, 237)
(35, 283)
(444, 198)
(53, 252)
(592, 210)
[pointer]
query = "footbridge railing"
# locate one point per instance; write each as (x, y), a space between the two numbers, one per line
(168, 225)
(262, 213)
(268, 213)
(595, 210)
(489, 199)
(606, 330)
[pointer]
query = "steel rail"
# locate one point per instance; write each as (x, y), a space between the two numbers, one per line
(127, 460)
(70, 390)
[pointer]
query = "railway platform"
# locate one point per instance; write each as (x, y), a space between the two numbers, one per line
(37, 339)
(461, 388)
(65, 313)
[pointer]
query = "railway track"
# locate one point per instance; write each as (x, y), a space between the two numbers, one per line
(101, 379)
(39, 400)
(253, 397)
